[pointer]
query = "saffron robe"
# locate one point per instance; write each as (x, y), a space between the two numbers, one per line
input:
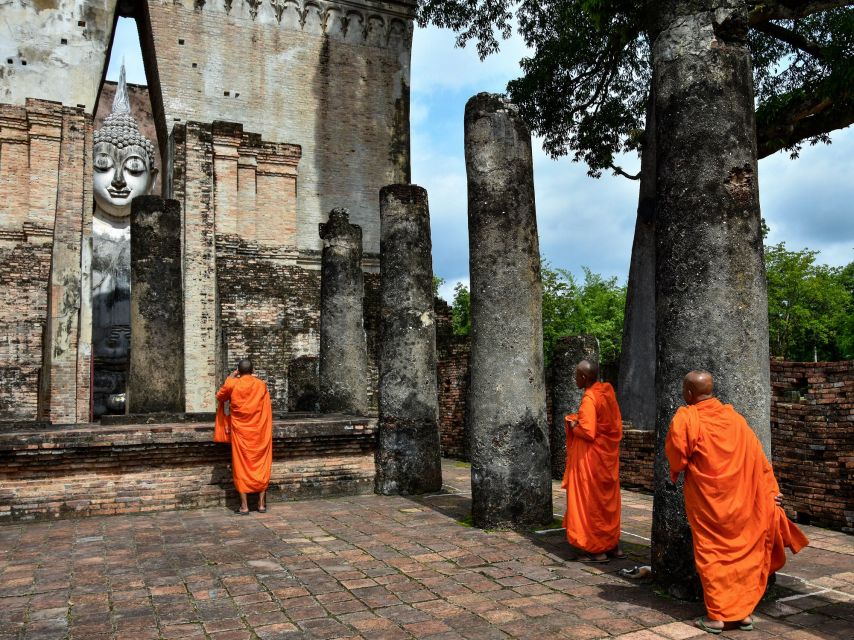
(592, 475)
(739, 532)
(251, 423)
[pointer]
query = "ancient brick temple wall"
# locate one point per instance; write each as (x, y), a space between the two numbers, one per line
(110, 470)
(812, 436)
(452, 359)
(45, 224)
(637, 452)
(248, 289)
(330, 77)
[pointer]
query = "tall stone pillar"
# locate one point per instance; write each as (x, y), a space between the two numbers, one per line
(156, 374)
(408, 452)
(510, 472)
(636, 383)
(343, 346)
(711, 296)
(566, 396)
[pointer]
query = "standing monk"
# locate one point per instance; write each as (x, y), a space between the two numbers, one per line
(592, 476)
(250, 424)
(733, 505)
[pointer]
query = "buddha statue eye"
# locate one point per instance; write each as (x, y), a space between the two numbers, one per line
(134, 165)
(103, 162)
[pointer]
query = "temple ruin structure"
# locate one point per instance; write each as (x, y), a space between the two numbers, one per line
(268, 115)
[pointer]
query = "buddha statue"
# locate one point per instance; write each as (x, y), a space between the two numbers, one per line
(123, 169)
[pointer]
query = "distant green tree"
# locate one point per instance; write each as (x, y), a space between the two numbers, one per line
(438, 281)
(594, 307)
(809, 306)
(461, 310)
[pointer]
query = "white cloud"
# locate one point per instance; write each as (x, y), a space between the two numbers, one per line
(446, 291)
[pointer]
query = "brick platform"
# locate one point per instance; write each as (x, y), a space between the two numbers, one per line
(371, 567)
(96, 470)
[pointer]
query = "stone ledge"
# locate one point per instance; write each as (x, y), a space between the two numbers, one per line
(95, 435)
(85, 470)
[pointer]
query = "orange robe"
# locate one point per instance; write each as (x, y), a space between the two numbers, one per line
(251, 424)
(739, 532)
(592, 476)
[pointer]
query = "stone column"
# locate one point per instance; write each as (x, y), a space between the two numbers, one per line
(566, 396)
(636, 383)
(710, 289)
(408, 452)
(511, 479)
(343, 347)
(156, 375)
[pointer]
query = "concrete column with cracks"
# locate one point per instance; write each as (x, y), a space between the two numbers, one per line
(566, 396)
(156, 372)
(343, 345)
(408, 451)
(508, 439)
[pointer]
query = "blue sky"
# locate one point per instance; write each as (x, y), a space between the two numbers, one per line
(808, 202)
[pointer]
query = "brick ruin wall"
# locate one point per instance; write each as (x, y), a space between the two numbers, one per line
(115, 470)
(45, 223)
(812, 437)
(812, 431)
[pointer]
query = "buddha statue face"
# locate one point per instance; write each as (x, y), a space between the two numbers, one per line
(123, 158)
(120, 175)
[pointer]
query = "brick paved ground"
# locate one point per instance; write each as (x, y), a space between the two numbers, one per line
(369, 567)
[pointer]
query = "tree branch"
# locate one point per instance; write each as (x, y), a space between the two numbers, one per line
(791, 10)
(800, 122)
(795, 39)
(619, 171)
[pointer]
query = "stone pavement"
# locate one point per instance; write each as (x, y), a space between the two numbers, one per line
(370, 567)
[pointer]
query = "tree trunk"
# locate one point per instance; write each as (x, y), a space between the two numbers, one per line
(711, 293)
(636, 383)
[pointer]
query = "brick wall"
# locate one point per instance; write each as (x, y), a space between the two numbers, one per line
(812, 437)
(331, 77)
(452, 359)
(637, 454)
(106, 470)
(45, 217)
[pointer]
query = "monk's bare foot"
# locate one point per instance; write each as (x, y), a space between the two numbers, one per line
(594, 558)
(616, 553)
(746, 624)
(262, 502)
(709, 626)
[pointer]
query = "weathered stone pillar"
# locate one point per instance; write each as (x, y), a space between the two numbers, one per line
(636, 383)
(566, 396)
(343, 347)
(510, 472)
(408, 452)
(156, 375)
(711, 297)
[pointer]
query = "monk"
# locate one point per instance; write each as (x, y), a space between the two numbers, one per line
(733, 505)
(592, 476)
(250, 425)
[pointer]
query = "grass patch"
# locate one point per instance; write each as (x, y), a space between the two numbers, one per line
(462, 464)
(466, 521)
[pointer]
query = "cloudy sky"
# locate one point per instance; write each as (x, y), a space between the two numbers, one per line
(808, 202)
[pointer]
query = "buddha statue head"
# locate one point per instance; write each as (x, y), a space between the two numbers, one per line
(123, 158)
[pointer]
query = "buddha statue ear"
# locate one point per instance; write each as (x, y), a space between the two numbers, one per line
(154, 171)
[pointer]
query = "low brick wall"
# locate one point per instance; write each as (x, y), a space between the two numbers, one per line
(637, 454)
(97, 470)
(812, 437)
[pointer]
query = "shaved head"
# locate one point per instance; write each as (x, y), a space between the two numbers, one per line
(586, 373)
(244, 367)
(697, 385)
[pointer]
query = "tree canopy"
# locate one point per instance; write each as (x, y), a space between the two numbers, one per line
(810, 306)
(584, 88)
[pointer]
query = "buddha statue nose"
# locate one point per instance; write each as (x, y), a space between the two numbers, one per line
(118, 178)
